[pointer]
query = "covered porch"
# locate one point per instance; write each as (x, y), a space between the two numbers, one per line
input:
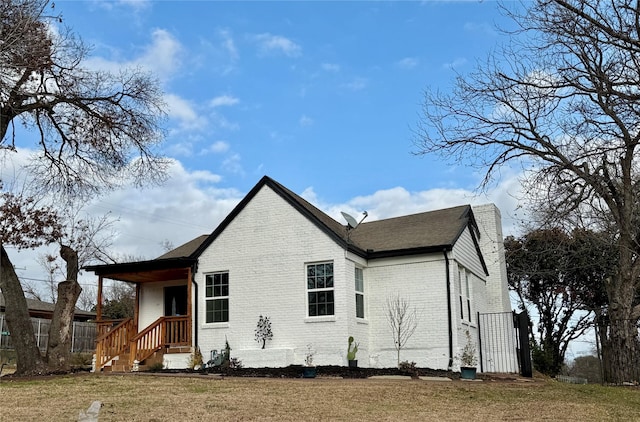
(162, 321)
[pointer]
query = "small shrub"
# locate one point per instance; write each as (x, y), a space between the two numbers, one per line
(156, 367)
(195, 360)
(408, 367)
(468, 356)
(81, 359)
(308, 358)
(235, 363)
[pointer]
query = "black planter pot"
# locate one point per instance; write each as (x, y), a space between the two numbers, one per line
(353, 363)
(468, 373)
(309, 371)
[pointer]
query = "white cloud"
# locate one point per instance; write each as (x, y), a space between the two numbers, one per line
(398, 201)
(331, 67)
(192, 203)
(269, 44)
(184, 113)
(229, 45)
(483, 28)
(457, 62)
(232, 164)
(407, 63)
(224, 100)
(305, 121)
(189, 204)
(356, 84)
(215, 148)
(162, 57)
(135, 5)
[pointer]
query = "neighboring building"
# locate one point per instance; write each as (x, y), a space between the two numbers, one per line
(44, 310)
(319, 282)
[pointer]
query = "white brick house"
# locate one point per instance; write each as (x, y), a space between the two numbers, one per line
(277, 255)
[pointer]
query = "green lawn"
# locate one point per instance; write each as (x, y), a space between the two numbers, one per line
(179, 398)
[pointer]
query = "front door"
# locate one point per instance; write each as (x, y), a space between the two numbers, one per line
(175, 300)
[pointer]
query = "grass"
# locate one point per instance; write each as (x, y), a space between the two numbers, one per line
(161, 398)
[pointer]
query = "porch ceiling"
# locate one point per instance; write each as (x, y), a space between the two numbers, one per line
(150, 276)
(145, 271)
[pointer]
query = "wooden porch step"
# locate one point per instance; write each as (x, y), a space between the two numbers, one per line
(121, 367)
(178, 349)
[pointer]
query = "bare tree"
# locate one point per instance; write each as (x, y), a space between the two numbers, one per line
(96, 130)
(85, 239)
(403, 321)
(87, 298)
(24, 224)
(52, 270)
(563, 100)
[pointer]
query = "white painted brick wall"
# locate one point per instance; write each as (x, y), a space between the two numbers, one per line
(422, 281)
(492, 246)
(265, 249)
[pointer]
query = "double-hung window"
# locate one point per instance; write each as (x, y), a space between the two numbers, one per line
(359, 293)
(217, 297)
(320, 289)
(464, 282)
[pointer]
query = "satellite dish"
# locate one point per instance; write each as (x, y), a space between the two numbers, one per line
(350, 220)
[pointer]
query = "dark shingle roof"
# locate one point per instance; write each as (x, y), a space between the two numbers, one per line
(431, 230)
(418, 233)
(185, 250)
(427, 232)
(45, 309)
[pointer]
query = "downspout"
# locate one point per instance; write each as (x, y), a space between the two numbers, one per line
(195, 305)
(448, 279)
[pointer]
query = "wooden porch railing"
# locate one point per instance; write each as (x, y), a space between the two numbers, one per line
(165, 331)
(113, 340)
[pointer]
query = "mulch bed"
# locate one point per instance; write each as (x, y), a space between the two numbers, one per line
(295, 371)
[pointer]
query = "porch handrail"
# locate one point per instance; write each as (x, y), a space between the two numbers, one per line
(165, 331)
(112, 343)
(105, 326)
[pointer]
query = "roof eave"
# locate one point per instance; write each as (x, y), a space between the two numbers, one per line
(154, 264)
(408, 251)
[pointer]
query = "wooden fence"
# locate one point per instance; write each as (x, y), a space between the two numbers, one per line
(83, 336)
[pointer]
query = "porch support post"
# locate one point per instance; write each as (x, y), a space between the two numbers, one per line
(189, 311)
(136, 308)
(99, 304)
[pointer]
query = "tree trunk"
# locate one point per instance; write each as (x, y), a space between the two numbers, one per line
(28, 358)
(623, 329)
(60, 330)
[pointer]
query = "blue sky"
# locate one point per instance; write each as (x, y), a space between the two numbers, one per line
(314, 94)
(322, 96)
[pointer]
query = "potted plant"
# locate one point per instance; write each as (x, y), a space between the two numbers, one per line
(468, 359)
(309, 370)
(352, 349)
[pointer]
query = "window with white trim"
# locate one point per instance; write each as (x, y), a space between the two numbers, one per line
(320, 289)
(464, 282)
(217, 297)
(468, 294)
(461, 276)
(359, 280)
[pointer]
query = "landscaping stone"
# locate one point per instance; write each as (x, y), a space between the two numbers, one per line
(436, 379)
(390, 377)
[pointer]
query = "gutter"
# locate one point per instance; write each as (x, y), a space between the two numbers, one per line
(448, 280)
